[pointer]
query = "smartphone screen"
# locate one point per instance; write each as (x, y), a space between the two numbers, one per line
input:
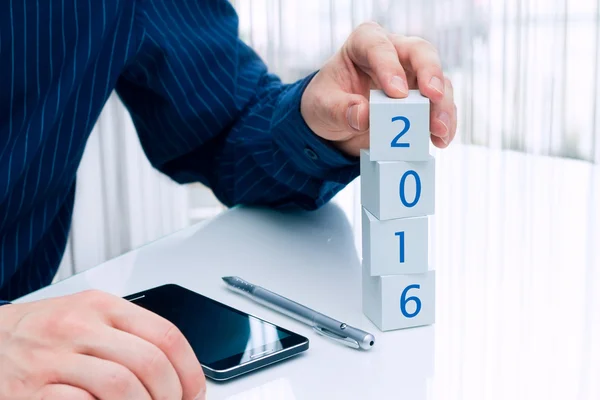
(221, 336)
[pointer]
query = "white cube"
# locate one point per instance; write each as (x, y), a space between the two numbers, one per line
(395, 246)
(399, 128)
(399, 301)
(397, 189)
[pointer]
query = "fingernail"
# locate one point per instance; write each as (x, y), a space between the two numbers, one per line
(444, 118)
(399, 84)
(352, 116)
(201, 395)
(436, 84)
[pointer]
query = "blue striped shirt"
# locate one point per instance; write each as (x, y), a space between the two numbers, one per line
(204, 105)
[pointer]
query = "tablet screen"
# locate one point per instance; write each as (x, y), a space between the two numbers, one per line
(221, 336)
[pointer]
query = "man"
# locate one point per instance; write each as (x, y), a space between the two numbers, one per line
(205, 109)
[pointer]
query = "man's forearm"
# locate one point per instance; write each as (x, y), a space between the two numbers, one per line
(269, 156)
(219, 117)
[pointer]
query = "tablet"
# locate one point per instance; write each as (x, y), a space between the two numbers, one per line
(227, 342)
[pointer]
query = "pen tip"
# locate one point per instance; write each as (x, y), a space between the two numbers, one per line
(228, 279)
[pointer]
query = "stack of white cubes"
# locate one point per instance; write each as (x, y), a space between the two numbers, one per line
(397, 195)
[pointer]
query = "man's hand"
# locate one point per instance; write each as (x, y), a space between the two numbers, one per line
(93, 345)
(335, 104)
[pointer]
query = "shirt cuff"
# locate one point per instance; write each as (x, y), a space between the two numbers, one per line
(307, 151)
(3, 302)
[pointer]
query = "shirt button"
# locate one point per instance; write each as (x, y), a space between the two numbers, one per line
(310, 153)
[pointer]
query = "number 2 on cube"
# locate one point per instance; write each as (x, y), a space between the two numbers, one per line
(398, 136)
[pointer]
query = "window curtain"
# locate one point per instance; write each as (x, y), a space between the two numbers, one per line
(525, 71)
(121, 202)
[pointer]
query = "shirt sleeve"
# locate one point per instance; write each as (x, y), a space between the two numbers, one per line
(3, 302)
(207, 109)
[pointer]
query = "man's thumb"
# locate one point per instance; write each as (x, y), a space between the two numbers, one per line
(354, 112)
(335, 114)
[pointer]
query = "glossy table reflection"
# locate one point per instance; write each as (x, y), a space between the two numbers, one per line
(515, 243)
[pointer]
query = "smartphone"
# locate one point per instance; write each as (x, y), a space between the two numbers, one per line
(226, 341)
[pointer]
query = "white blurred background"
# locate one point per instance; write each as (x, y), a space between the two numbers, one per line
(525, 75)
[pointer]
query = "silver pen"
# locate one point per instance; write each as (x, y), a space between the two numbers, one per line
(321, 324)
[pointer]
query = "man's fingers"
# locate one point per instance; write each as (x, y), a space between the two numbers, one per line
(344, 113)
(450, 88)
(453, 130)
(370, 49)
(443, 117)
(109, 380)
(163, 334)
(145, 360)
(422, 59)
(352, 114)
(62, 392)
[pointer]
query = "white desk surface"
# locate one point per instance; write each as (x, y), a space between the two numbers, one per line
(515, 242)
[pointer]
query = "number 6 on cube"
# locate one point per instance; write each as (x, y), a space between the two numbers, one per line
(399, 301)
(404, 300)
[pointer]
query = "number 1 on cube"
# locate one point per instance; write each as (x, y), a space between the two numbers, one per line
(401, 238)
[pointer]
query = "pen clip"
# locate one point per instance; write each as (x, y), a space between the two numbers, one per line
(338, 338)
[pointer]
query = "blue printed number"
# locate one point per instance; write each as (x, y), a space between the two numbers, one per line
(404, 300)
(406, 128)
(401, 235)
(417, 190)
